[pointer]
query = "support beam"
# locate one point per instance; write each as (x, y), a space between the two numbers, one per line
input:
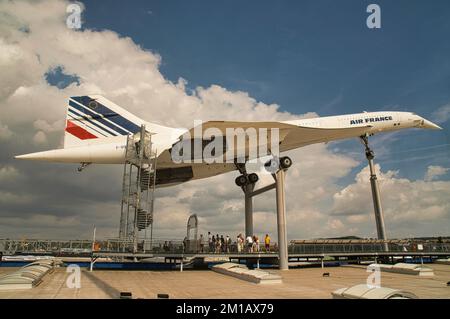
(281, 220)
(263, 189)
(379, 218)
(93, 260)
(279, 185)
(248, 189)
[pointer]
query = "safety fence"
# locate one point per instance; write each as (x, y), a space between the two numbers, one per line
(164, 246)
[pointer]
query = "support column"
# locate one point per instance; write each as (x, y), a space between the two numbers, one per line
(281, 220)
(248, 189)
(379, 218)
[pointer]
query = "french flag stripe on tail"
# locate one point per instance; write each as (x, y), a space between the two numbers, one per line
(78, 131)
(84, 124)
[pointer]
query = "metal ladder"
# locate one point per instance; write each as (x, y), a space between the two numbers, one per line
(138, 193)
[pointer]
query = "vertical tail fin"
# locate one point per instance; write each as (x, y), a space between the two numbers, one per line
(95, 117)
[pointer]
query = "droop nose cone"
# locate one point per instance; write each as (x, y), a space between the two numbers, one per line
(430, 125)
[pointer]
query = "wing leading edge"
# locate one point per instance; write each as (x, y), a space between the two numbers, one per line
(290, 135)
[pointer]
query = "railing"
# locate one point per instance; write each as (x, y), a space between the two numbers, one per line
(164, 246)
(369, 247)
(44, 245)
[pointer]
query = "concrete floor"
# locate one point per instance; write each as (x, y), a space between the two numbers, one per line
(297, 283)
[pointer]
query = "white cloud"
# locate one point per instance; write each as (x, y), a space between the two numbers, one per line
(12, 198)
(8, 173)
(435, 171)
(46, 127)
(5, 132)
(41, 220)
(335, 224)
(442, 114)
(40, 138)
(407, 204)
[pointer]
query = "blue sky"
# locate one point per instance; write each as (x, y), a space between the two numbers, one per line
(305, 56)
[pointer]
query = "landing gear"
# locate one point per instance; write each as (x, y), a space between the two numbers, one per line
(278, 163)
(83, 166)
(285, 162)
(253, 178)
(272, 165)
(245, 179)
(241, 180)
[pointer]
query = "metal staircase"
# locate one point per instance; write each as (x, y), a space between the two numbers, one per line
(138, 188)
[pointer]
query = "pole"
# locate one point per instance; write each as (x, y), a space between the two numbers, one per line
(248, 189)
(379, 218)
(182, 257)
(91, 266)
(93, 238)
(153, 199)
(281, 220)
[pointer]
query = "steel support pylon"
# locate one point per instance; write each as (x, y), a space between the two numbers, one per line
(281, 220)
(379, 218)
(248, 189)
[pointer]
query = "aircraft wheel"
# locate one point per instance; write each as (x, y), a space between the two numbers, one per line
(285, 162)
(272, 165)
(241, 180)
(253, 178)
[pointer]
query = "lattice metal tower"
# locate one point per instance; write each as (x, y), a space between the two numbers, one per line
(138, 186)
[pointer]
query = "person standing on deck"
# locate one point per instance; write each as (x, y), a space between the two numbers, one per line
(267, 243)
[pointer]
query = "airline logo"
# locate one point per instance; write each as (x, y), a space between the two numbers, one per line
(87, 118)
(371, 120)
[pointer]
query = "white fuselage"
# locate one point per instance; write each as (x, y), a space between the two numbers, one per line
(112, 150)
(369, 122)
(375, 121)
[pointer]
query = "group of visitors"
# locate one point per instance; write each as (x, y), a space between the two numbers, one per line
(223, 244)
(251, 244)
(168, 246)
(217, 244)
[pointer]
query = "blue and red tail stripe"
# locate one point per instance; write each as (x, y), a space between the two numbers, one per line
(104, 115)
(78, 131)
(83, 123)
(91, 123)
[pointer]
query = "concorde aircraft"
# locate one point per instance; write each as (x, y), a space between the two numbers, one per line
(97, 131)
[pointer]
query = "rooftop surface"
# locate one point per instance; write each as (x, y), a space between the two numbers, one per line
(297, 283)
